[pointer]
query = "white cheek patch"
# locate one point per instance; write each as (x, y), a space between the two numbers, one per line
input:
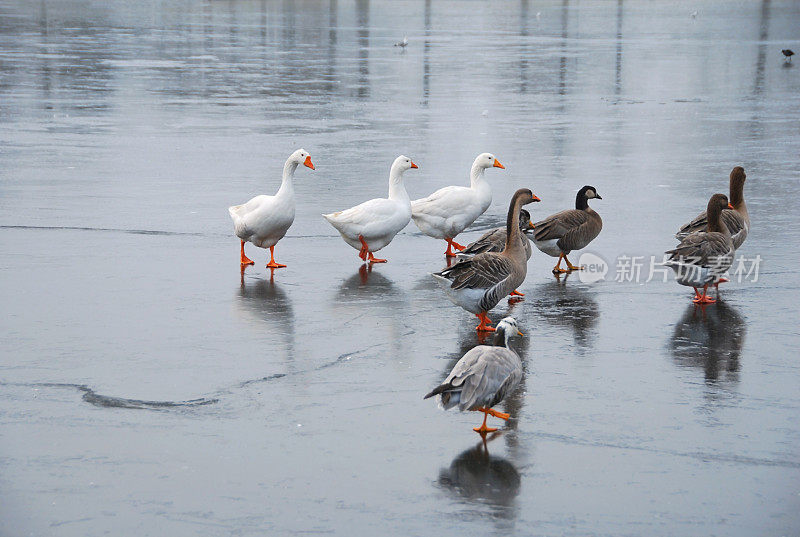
(590, 193)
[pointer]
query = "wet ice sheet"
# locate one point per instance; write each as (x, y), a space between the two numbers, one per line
(147, 385)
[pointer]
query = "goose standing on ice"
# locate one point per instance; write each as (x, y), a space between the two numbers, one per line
(450, 210)
(483, 377)
(373, 224)
(477, 284)
(494, 240)
(737, 220)
(573, 229)
(703, 257)
(264, 220)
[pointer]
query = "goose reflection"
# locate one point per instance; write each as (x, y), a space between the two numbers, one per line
(368, 302)
(367, 285)
(567, 306)
(266, 302)
(479, 477)
(710, 339)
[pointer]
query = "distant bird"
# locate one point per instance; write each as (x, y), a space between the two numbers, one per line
(788, 53)
(478, 283)
(483, 377)
(694, 14)
(264, 220)
(538, 15)
(370, 226)
(573, 229)
(703, 257)
(403, 43)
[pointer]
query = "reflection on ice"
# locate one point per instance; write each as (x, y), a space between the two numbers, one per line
(710, 338)
(563, 304)
(477, 476)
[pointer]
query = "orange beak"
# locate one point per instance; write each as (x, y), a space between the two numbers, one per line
(414, 165)
(309, 163)
(530, 225)
(536, 198)
(730, 206)
(498, 165)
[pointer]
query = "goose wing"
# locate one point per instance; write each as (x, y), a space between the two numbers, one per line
(558, 225)
(734, 221)
(485, 373)
(483, 271)
(704, 249)
(493, 240)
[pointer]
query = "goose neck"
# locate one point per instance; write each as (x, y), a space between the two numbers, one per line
(476, 176)
(397, 190)
(500, 338)
(736, 192)
(287, 186)
(581, 203)
(512, 225)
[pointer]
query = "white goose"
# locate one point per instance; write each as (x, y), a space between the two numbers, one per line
(264, 220)
(450, 210)
(370, 226)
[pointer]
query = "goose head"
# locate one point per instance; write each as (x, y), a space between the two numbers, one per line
(525, 196)
(401, 164)
(486, 160)
(504, 330)
(301, 156)
(716, 205)
(584, 194)
(589, 192)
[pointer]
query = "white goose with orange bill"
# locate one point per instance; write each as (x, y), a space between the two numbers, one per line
(264, 220)
(370, 226)
(452, 209)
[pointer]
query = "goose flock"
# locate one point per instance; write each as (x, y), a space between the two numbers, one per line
(495, 265)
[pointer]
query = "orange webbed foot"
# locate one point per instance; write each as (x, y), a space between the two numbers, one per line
(484, 324)
(373, 259)
(483, 429)
(364, 248)
(517, 293)
(274, 265)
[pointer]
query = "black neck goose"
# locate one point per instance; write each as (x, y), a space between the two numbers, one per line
(573, 229)
(737, 220)
(703, 257)
(483, 377)
(477, 284)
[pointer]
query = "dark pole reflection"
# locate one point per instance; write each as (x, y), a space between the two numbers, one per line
(362, 20)
(763, 35)
(426, 52)
(523, 32)
(710, 338)
(562, 63)
(330, 83)
(618, 61)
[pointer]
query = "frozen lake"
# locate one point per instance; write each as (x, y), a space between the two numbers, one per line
(149, 388)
